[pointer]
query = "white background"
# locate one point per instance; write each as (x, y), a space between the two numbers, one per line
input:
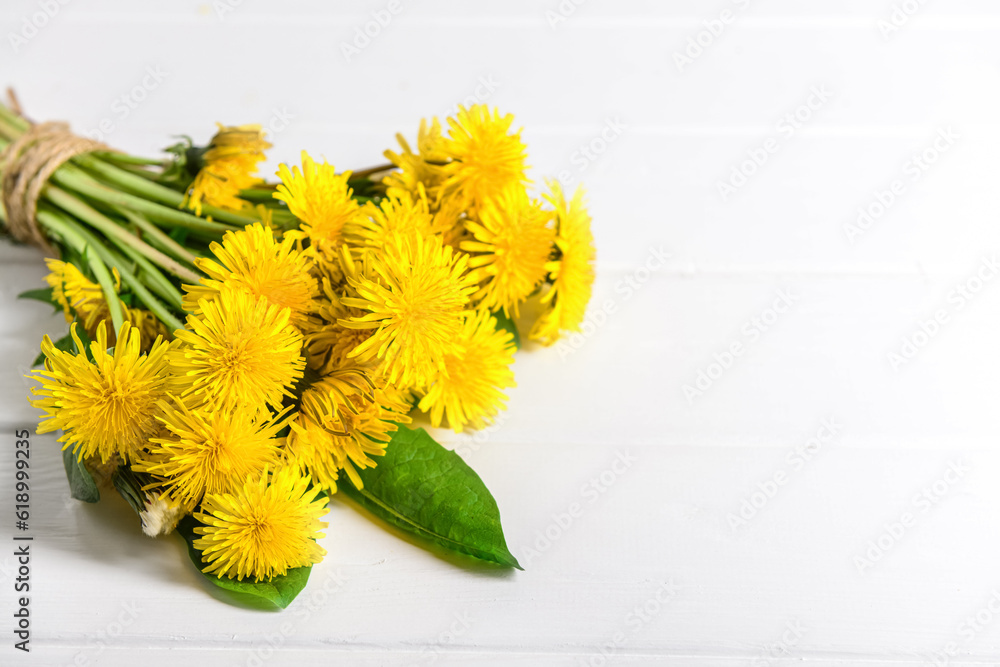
(791, 585)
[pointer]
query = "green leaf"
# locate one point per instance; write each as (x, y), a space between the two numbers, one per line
(504, 322)
(43, 295)
(279, 591)
(426, 489)
(81, 483)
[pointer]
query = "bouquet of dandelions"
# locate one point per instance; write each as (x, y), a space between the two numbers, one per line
(238, 348)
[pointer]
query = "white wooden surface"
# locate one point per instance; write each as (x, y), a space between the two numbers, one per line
(786, 587)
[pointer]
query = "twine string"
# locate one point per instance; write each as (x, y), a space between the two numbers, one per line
(26, 164)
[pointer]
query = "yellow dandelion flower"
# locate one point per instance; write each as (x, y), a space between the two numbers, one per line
(572, 274)
(71, 289)
(422, 176)
(397, 398)
(83, 300)
(149, 325)
(425, 168)
(320, 198)
(230, 165)
(486, 157)
(394, 215)
(104, 407)
(327, 341)
(251, 259)
(239, 351)
(426, 175)
(325, 263)
(95, 314)
(414, 307)
(450, 217)
(263, 529)
(265, 216)
(146, 323)
(470, 390)
(209, 451)
(512, 241)
(344, 419)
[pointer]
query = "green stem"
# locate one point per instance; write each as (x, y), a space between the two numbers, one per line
(60, 223)
(259, 195)
(157, 281)
(74, 238)
(143, 187)
(284, 219)
(94, 218)
(157, 236)
(73, 179)
(365, 173)
(125, 158)
(7, 131)
(12, 119)
(150, 301)
(141, 172)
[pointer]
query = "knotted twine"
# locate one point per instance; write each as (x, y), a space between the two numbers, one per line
(26, 165)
